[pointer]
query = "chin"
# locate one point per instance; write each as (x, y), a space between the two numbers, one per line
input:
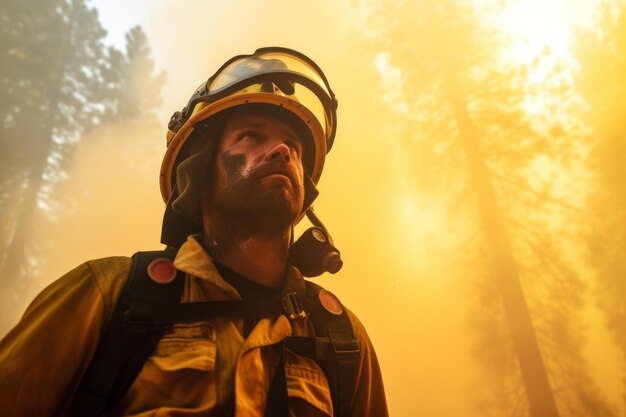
(281, 209)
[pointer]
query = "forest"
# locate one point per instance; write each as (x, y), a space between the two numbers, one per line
(476, 189)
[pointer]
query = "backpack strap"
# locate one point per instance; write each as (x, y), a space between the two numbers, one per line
(126, 344)
(146, 309)
(334, 348)
(342, 367)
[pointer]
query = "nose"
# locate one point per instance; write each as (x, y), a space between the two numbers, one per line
(280, 150)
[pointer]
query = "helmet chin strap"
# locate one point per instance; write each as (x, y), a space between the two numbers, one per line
(310, 192)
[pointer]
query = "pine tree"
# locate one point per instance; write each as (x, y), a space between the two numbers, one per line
(134, 88)
(58, 82)
(52, 51)
(601, 81)
(467, 134)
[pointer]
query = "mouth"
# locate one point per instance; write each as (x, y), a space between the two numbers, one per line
(273, 171)
(277, 175)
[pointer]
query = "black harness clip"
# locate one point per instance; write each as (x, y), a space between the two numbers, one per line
(292, 306)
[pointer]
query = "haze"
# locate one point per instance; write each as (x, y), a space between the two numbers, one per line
(398, 194)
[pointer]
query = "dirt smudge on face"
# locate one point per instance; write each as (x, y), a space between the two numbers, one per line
(233, 165)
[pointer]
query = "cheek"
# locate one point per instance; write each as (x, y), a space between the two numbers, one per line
(300, 170)
(234, 165)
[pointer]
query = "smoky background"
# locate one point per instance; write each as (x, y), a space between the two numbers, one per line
(422, 85)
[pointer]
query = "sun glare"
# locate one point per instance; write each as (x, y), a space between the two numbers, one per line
(543, 30)
(537, 25)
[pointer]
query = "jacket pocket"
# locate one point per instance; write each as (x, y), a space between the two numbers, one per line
(186, 346)
(180, 374)
(307, 386)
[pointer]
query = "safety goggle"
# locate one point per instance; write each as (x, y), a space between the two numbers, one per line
(271, 70)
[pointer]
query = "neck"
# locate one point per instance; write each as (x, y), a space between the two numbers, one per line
(261, 258)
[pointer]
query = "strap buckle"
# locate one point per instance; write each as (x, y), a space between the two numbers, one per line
(176, 121)
(292, 306)
(343, 344)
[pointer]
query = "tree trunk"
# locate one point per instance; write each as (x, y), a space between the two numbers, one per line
(13, 281)
(534, 377)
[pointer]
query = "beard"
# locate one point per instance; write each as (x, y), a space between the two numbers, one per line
(244, 200)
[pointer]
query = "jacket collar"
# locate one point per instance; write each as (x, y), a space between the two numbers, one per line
(192, 259)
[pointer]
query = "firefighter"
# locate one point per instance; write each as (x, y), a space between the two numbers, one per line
(222, 321)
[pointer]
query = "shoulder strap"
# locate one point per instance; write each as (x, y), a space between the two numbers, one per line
(125, 346)
(334, 348)
(341, 370)
(136, 327)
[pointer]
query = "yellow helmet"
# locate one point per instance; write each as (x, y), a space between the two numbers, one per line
(273, 76)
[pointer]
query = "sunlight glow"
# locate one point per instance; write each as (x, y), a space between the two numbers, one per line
(391, 79)
(541, 34)
(537, 25)
(420, 223)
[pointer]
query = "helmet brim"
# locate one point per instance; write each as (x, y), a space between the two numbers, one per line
(225, 106)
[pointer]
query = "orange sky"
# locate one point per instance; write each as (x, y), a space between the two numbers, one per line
(400, 276)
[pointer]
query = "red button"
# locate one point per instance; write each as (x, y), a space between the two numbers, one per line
(330, 302)
(162, 271)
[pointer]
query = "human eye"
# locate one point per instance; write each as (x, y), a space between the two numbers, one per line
(295, 146)
(249, 136)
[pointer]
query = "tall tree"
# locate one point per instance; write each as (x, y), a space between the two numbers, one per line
(58, 81)
(134, 88)
(602, 57)
(51, 49)
(460, 107)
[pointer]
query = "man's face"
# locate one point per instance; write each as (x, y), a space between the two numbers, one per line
(258, 173)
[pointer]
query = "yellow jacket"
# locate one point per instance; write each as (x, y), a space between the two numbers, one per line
(198, 369)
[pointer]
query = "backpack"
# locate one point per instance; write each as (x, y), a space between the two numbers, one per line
(146, 310)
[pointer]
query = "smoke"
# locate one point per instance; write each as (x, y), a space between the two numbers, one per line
(110, 204)
(402, 273)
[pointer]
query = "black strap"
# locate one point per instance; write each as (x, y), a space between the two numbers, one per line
(341, 369)
(124, 346)
(277, 399)
(168, 313)
(334, 348)
(146, 309)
